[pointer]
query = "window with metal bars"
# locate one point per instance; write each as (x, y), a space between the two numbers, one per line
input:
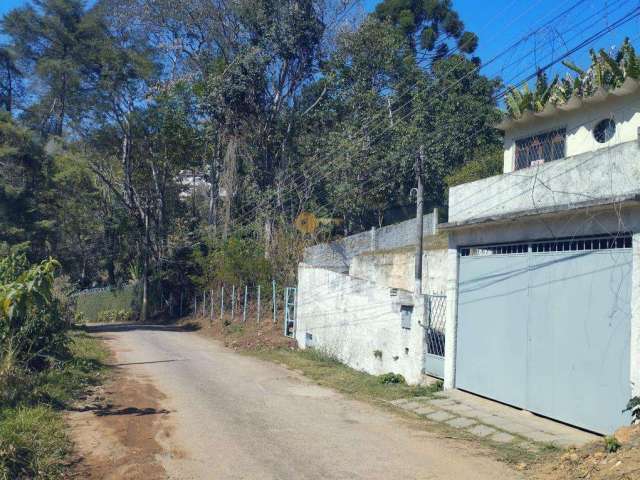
(539, 149)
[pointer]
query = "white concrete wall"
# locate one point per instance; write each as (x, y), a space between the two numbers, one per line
(351, 318)
(396, 269)
(604, 174)
(579, 124)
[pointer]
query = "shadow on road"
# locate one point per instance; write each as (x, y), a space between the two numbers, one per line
(109, 410)
(127, 327)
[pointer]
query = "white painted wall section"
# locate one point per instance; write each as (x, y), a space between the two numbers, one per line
(352, 318)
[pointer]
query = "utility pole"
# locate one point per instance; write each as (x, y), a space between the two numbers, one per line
(419, 221)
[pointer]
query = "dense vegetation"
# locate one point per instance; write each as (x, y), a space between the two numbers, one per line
(158, 141)
(42, 367)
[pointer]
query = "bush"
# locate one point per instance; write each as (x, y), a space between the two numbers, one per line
(634, 407)
(611, 444)
(32, 326)
(114, 316)
(391, 378)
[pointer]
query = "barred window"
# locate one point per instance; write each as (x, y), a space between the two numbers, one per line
(539, 149)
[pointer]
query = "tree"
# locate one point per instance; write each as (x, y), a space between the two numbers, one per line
(9, 79)
(51, 38)
(429, 25)
(24, 188)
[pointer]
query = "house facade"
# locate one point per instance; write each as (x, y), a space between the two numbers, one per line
(543, 269)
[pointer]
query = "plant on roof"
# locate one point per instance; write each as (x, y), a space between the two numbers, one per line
(606, 71)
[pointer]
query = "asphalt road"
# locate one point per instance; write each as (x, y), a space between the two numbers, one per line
(236, 417)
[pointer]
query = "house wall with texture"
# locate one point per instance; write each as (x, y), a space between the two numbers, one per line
(351, 319)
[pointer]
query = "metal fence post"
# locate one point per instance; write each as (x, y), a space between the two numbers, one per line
(244, 309)
(211, 313)
(233, 302)
(181, 301)
(222, 302)
(273, 299)
(258, 304)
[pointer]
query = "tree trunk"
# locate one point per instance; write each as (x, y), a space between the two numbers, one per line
(145, 271)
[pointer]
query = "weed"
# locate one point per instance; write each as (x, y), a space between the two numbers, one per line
(32, 439)
(326, 370)
(391, 378)
(611, 444)
(377, 354)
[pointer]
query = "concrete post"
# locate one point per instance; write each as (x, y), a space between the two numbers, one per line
(635, 317)
(451, 325)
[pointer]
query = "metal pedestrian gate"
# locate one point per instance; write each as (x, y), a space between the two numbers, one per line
(545, 326)
(434, 335)
(290, 294)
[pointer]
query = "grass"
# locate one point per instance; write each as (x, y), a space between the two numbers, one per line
(329, 372)
(91, 304)
(33, 442)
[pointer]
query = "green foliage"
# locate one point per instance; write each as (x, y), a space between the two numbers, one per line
(235, 261)
(606, 72)
(114, 316)
(33, 443)
(485, 163)
(391, 378)
(611, 444)
(428, 24)
(32, 329)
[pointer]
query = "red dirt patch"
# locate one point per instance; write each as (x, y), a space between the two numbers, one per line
(115, 430)
(239, 335)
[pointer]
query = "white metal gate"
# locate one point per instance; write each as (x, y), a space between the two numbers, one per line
(434, 338)
(545, 326)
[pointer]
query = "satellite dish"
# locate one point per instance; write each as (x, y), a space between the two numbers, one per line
(306, 223)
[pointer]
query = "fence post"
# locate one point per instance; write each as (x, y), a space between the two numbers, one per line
(273, 299)
(244, 309)
(195, 304)
(211, 313)
(233, 302)
(222, 303)
(258, 303)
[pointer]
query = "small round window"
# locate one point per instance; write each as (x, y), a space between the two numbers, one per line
(604, 130)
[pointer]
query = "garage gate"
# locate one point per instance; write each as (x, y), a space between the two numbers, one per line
(545, 326)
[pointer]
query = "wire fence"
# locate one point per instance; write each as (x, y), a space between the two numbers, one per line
(245, 303)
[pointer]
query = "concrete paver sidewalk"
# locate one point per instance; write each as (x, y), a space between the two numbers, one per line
(495, 421)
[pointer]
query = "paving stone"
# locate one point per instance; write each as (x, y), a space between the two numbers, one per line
(481, 430)
(440, 416)
(459, 408)
(502, 437)
(411, 406)
(461, 422)
(400, 401)
(425, 410)
(442, 402)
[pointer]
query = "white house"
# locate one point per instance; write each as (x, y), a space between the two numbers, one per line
(543, 275)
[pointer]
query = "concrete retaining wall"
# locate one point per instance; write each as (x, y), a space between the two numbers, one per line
(338, 255)
(352, 318)
(396, 269)
(603, 174)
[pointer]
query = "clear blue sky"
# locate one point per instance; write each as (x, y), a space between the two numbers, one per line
(500, 23)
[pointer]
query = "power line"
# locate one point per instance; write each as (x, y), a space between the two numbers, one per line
(599, 34)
